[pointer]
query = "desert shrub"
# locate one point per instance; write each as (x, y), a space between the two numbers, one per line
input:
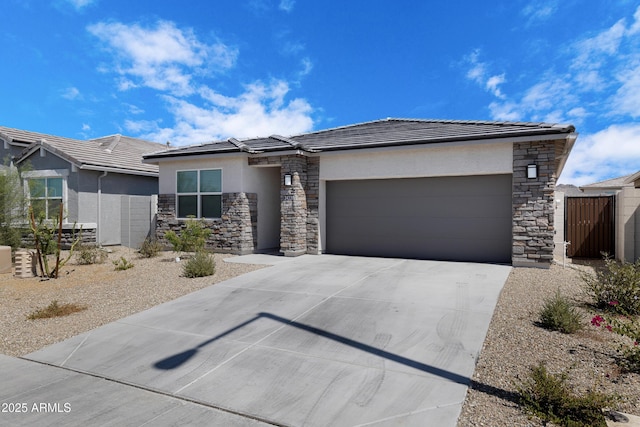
(557, 314)
(617, 281)
(122, 264)
(200, 265)
(90, 254)
(150, 248)
(190, 239)
(56, 310)
(549, 397)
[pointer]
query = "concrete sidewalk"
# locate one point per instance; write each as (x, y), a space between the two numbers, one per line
(317, 341)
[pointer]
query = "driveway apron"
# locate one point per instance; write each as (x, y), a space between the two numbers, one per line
(313, 341)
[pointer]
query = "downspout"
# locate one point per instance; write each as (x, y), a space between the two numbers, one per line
(98, 242)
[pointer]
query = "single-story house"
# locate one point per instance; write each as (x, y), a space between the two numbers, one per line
(103, 184)
(428, 189)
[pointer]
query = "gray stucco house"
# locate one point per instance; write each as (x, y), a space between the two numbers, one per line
(428, 189)
(102, 182)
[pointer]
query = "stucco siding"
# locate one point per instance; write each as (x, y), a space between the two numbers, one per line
(89, 211)
(558, 221)
(403, 162)
(233, 172)
(116, 183)
(627, 219)
(265, 182)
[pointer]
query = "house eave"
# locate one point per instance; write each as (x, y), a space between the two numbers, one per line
(117, 170)
(310, 150)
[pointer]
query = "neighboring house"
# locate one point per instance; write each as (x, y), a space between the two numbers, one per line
(626, 190)
(426, 189)
(605, 188)
(103, 184)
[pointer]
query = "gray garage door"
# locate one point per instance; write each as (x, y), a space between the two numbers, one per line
(444, 218)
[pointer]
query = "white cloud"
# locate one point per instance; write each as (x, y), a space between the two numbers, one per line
(86, 127)
(593, 51)
(635, 27)
(163, 57)
(71, 93)
(261, 110)
(80, 4)
(599, 78)
(540, 10)
(175, 63)
(479, 73)
(505, 111)
(627, 97)
(307, 67)
(612, 152)
(287, 5)
(492, 85)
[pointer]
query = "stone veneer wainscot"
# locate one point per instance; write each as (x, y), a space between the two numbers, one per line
(235, 232)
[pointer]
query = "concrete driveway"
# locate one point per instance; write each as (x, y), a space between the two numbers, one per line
(311, 341)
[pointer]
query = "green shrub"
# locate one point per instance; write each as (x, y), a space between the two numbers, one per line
(191, 239)
(150, 248)
(122, 264)
(617, 281)
(90, 254)
(557, 314)
(200, 265)
(548, 396)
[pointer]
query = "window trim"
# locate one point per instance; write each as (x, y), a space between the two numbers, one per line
(47, 174)
(198, 193)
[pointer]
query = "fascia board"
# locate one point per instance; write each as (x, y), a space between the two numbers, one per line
(117, 170)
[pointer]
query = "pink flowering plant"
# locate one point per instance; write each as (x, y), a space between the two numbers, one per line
(616, 281)
(625, 325)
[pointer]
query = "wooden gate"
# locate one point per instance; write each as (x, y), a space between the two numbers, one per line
(590, 226)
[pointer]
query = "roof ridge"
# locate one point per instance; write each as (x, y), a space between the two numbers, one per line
(242, 146)
(114, 143)
(622, 178)
(443, 121)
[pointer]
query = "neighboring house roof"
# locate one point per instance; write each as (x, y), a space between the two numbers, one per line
(114, 153)
(608, 184)
(634, 179)
(379, 133)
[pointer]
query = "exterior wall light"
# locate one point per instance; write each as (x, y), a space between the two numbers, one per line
(532, 171)
(287, 180)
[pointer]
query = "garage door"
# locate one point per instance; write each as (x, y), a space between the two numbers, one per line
(445, 218)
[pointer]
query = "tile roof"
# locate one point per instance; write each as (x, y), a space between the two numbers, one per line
(379, 133)
(618, 182)
(116, 152)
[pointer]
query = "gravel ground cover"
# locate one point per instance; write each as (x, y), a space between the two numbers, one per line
(513, 344)
(108, 294)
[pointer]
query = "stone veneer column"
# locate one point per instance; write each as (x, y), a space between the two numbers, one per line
(533, 205)
(293, 206)
(313, 197)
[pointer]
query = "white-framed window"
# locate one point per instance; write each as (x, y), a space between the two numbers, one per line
(46, 190)
(199, 193)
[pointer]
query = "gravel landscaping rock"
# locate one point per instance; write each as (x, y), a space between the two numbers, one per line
(514, 342)
(108, 294)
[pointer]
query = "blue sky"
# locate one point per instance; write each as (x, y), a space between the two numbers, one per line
(197, 71)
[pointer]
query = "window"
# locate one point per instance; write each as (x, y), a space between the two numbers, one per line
(199, 193)
(45, 195)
